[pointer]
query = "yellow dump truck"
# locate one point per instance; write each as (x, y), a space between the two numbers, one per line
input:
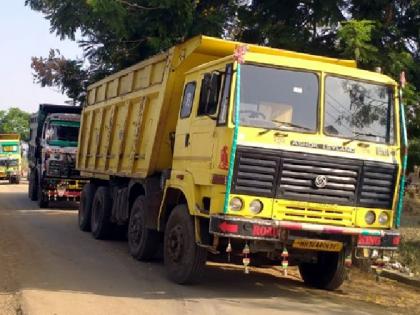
(251, 154)
(10, 158)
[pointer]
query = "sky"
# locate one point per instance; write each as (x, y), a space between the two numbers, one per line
(25, 33)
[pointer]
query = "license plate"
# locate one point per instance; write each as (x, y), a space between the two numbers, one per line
(321, 245)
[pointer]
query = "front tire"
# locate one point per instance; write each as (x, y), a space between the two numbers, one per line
(327, 273)
(184, 260)
(85, 207)
(32, 192)
(42, 199)
(101, 225)
(143, 243)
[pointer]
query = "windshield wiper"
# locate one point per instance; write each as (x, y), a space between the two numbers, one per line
(289, 124)
(358, 134)
(368, 134)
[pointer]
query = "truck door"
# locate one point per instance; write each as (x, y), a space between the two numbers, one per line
(195, 133)
(202, 128)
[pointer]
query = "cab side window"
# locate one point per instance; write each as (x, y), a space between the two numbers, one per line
(209, 94)
(188, 99)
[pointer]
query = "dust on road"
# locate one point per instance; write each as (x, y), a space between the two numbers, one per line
(47, 266)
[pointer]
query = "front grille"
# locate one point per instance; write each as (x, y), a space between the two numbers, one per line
(329, 216)
(378, 184)
(290, 175)
(58, 168)
(256, 173)
(300, 170)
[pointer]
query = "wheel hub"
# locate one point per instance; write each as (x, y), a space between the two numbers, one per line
(176, 243)
(135, 229)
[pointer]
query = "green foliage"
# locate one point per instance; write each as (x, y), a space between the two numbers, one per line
(119, 33)
(356, 37)
(15, 120)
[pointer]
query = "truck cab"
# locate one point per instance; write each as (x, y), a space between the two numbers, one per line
(316, 160)
(53, 147)
(10, 158)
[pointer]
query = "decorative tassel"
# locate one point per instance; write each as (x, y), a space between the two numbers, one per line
(246, 260)
(347, 261)
(229, 250)
(285, 262)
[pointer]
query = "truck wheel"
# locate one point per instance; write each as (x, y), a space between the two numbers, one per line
(32, 193)
(85, 206)
(327, 273)
(184, 260)
(143, 243)
(42, 199)
(100, 223)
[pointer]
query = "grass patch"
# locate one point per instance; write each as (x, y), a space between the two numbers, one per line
(409, 254)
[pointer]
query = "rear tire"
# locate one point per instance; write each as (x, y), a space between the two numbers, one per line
(327, 273)
(101, 225)
(85, 206)
(184, 260)
(143, 243)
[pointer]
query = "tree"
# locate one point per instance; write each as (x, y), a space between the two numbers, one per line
(119, 33)
(15, 121)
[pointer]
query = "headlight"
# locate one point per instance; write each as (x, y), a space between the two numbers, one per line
(383, 218)
(255, 206)
(370, 217)
(235, 204)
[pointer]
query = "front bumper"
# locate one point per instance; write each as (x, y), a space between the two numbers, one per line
(276, 230)
(61, 189)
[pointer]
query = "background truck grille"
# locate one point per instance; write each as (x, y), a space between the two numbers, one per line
(58, 168)
(290, 175)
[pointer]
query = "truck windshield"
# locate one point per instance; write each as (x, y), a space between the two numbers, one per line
(278, 98)
(64, 133)
(358, 110)
(9, 148)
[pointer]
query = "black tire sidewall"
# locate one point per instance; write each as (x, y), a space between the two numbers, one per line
(85, 206)
(101, 226)
(42, 201)
(148, 244)
(187, 270)
(328, 273)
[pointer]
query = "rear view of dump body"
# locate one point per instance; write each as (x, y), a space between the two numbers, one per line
(183, 148)
(52, 152)
(10, 158)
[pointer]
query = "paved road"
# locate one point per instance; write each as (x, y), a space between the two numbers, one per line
(48, 266)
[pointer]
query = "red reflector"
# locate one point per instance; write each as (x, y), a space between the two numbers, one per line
(369, 240)
(396, 240)
(261, 230)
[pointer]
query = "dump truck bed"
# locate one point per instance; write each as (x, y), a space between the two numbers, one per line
(130, 116)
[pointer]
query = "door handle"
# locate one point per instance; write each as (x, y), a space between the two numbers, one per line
(187, 139)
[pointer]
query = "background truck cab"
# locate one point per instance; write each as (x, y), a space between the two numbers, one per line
(10, 158)
(52, 151)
